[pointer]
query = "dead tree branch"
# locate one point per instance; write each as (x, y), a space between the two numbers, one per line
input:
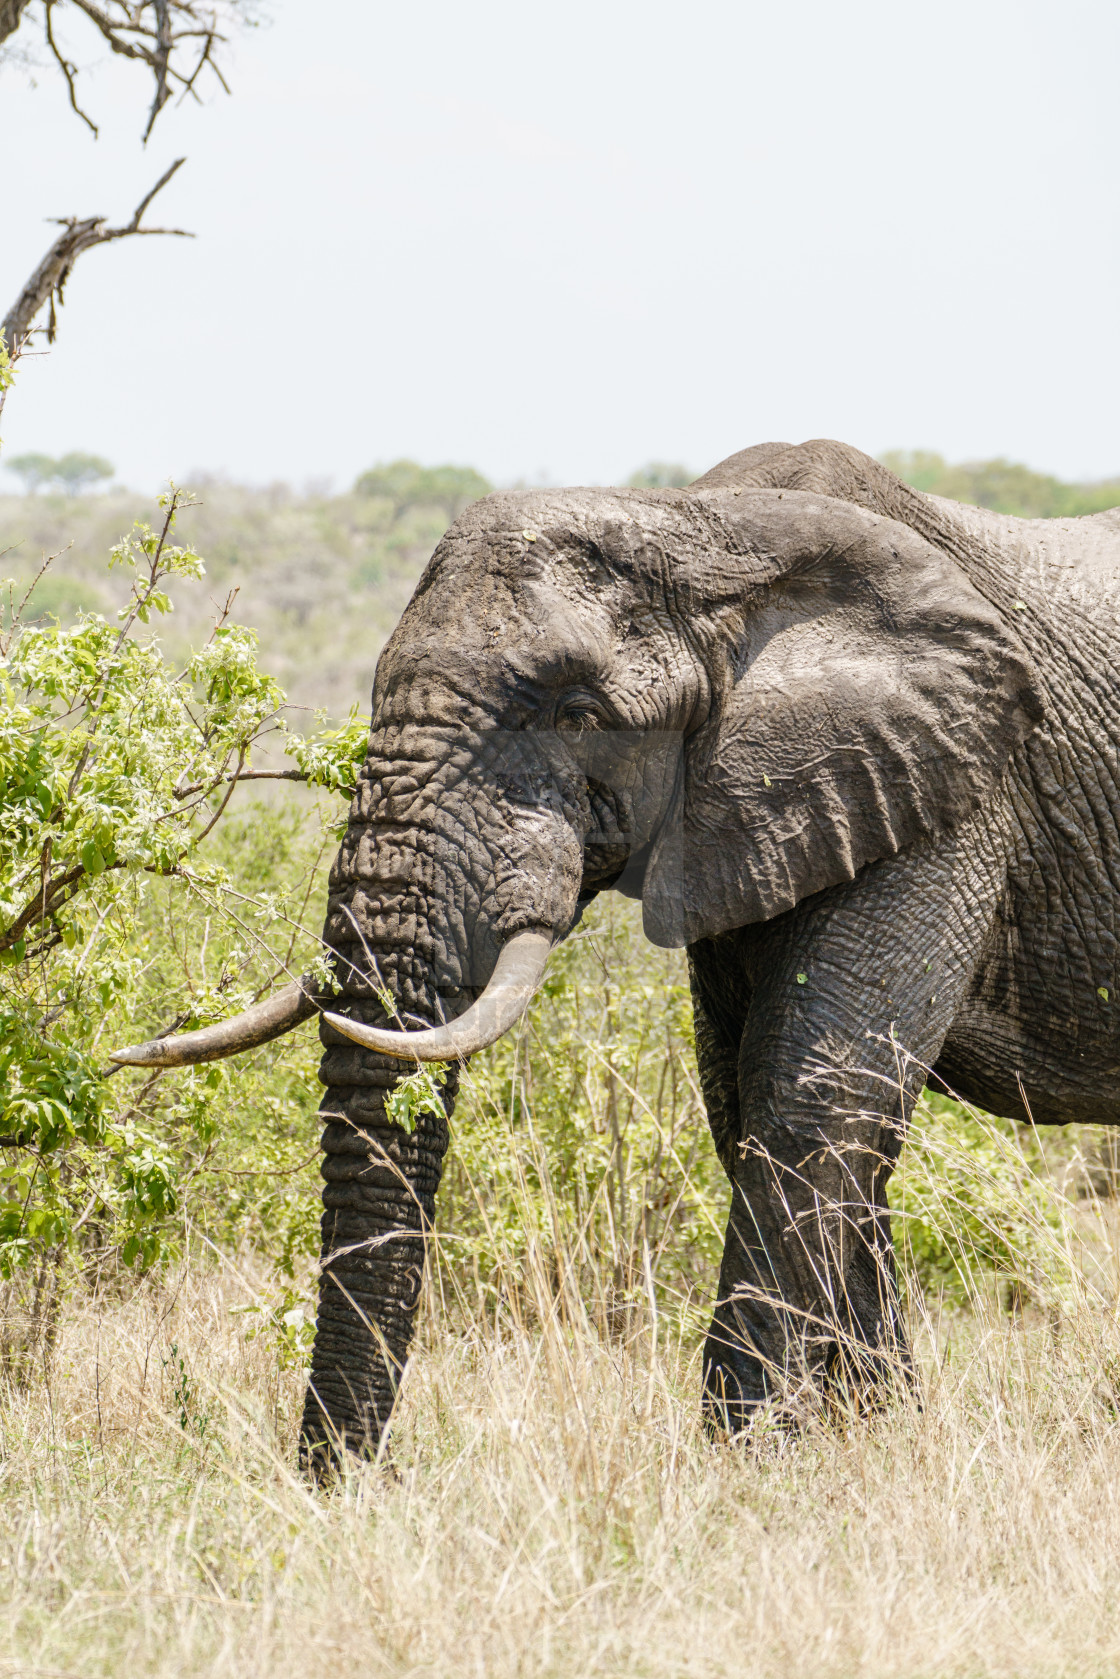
(11, 11)
(176, 39)
(46, 285)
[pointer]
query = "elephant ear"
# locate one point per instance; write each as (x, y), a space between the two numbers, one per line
(865, 698)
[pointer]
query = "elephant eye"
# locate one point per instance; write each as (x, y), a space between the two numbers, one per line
(578, 716)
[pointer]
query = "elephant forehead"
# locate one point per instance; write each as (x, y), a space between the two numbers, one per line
(590, 532)
(481, 632)
(510, 516)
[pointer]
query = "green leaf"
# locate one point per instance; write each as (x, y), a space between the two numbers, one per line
(416, 1094)
(93, 860)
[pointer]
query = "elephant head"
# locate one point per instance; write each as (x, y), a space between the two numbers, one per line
(722, 700)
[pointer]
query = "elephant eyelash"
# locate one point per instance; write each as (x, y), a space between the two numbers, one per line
(578, 717)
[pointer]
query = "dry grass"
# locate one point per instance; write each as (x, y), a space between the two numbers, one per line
(553, 1508)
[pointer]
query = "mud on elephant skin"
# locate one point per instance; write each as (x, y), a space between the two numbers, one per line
(854, 746)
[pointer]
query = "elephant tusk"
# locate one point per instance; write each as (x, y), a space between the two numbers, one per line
(516, 976)
(258, 1025)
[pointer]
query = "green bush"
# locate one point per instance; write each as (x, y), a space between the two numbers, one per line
(119, 916)
(976, 1205)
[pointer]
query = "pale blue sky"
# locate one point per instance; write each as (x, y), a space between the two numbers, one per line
(566, 239)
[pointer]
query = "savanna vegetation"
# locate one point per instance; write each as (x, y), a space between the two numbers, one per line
(1004, 486)
(175, 748)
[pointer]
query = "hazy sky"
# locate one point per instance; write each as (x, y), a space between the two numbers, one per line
(564, 239)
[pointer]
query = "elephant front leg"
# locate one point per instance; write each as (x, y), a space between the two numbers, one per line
(850, 997)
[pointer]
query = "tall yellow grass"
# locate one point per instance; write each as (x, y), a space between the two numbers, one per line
(551, 1506)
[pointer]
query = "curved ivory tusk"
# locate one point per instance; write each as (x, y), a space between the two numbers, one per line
(507, 996)
(258, 1025)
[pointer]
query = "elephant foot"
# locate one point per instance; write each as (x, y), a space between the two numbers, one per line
(832, 1381)
(735, 1388)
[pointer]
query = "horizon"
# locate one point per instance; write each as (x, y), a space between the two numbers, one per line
(326, 486)
(558, 251)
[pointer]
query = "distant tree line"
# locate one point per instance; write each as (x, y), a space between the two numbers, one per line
(406, 484)
(660, 475)
(999, 484)
(72, 472)
(1002, 485)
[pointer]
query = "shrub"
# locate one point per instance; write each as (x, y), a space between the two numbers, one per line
(116, 771)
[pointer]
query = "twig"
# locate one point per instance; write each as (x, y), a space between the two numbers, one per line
(69, 70)
(134, 224)
(246, 775)
(220, 812)
(260, 1171)
(140, 598)
(15, 613)
(160, 59)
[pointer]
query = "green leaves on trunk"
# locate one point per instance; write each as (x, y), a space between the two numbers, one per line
(418, 1093)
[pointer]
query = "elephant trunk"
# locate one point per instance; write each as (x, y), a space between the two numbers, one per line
(380, 1180)
(414, 944)
(378, 1205)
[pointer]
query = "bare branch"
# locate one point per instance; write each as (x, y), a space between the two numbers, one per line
(109, 29)
(204, 58)
(134, 224)
(47, 284)
(69, 70)
(245, 775)
(158, 33)
(47, 280)
(160, 60)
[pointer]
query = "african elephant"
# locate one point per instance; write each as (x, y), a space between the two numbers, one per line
(855, 746)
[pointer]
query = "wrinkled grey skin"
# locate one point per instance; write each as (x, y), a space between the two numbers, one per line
(890, 826)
